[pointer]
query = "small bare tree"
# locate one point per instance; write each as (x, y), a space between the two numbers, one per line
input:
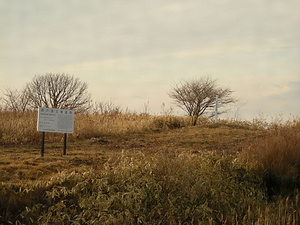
(15, 100)
(105, 107)
(197, 97)
(58, 91)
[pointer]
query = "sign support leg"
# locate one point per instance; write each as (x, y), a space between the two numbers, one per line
(65, 144)
(43, 144)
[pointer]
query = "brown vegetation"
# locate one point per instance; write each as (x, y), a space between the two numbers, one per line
(142, 169)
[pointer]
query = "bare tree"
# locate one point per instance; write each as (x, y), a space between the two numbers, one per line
(15, 100)
(58, 91)
(105, 107)
(166, 111)
(197, 97)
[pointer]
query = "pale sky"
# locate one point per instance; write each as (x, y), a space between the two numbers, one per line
(132, 52)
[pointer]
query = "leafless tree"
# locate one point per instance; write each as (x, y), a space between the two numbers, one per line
(166, 111)
(15, 100)
(197, 96)
(58, 91)
(105, 107)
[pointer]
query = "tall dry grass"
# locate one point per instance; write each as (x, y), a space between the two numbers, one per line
(277, 156)
(94, 125)
(18, 127)
(163, 188)
(21, 127)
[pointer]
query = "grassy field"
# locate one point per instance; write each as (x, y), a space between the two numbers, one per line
(142, 169)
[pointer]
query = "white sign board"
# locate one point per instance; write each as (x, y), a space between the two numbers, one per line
(55, 120)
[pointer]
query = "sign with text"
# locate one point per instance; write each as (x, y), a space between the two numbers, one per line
(55, 120)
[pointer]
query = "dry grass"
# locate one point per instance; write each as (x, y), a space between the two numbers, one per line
(277, 156)
(96, 125)
(20, 127)
(142, 169)
(23, 161)
(161, 188)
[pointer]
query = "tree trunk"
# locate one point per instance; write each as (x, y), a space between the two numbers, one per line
(194, 122)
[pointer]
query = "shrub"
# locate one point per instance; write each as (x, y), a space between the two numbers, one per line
(168, 122)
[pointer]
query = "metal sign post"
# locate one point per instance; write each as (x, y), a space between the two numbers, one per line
(65, 144)
(43, 144)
